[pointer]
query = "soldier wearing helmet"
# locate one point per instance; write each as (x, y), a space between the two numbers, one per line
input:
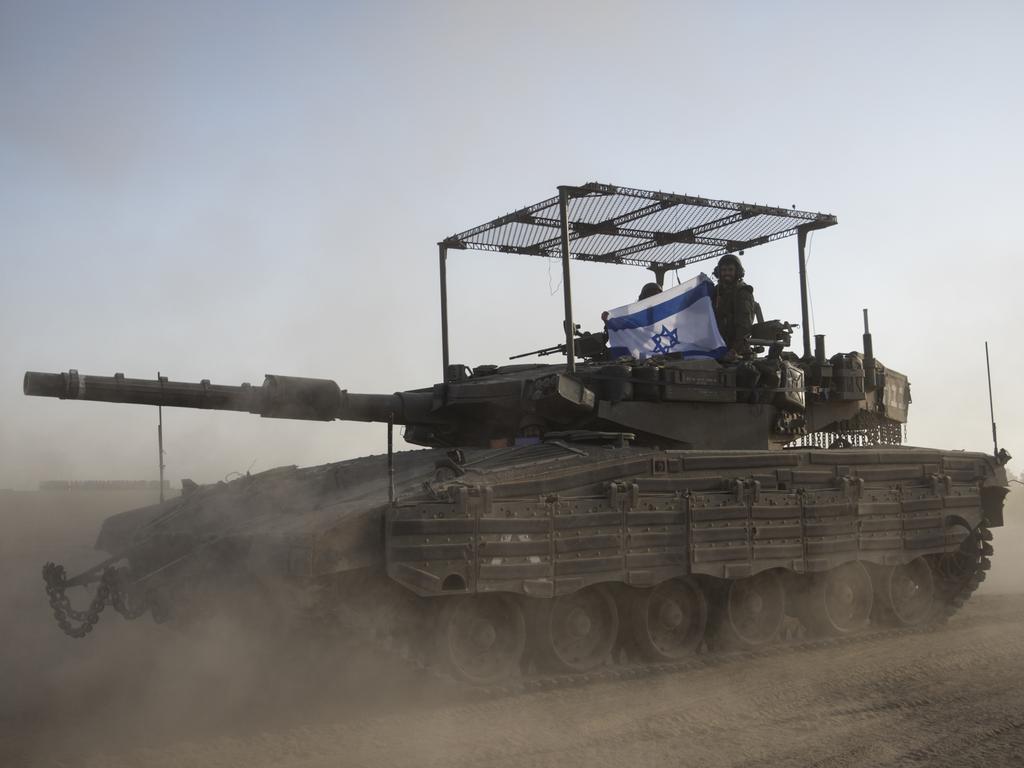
(735, 308)
(651, 289)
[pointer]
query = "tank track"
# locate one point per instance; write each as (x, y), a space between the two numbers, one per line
(956, 589)
(953, 589)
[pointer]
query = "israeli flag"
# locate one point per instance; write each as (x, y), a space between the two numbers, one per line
(680, 319)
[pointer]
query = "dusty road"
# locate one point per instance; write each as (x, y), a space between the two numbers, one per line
(140, 695)
(949, 698)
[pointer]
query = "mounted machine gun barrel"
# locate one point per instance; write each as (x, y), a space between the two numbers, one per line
(589, 346)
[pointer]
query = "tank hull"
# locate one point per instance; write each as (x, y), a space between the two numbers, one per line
(551, 519)
(561, 556)
(287, 525)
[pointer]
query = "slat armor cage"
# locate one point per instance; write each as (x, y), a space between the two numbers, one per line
(608, 224)
(622, 225)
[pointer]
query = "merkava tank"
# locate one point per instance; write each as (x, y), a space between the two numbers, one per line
(563, 511)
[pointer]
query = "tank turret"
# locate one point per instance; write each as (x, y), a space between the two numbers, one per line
(669, 401)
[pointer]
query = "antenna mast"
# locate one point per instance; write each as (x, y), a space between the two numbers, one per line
(991, 407)
(160, 438)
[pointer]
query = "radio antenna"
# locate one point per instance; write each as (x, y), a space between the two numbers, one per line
(160, 436)
(991, 407)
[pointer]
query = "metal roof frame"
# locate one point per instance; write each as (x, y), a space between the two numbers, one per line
(661, 231)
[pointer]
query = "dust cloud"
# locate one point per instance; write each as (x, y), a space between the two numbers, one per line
(218, 693)
(134, 685)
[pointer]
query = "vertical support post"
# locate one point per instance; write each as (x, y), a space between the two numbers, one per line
(160, 436)
(659, 274)
(570, 348)
(805, 319)
(443, 263)
(391, 458)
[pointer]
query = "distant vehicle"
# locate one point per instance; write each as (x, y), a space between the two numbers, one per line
(566, 510)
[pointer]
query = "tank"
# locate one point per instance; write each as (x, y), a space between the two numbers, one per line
(565, 515)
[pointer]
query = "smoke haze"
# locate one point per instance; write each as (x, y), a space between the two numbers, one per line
(131, 685)
(217, 692)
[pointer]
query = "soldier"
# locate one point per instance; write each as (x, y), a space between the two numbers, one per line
(651, 289)
(735, 308)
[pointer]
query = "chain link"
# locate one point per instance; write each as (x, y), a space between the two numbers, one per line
(108, 590)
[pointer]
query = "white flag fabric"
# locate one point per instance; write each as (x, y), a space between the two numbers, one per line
(680, 319)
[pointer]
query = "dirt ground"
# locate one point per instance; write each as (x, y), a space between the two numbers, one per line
(135, 694)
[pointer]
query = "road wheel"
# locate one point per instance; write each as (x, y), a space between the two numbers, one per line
(839, 600)
(668, 621)
(751, 611)
(906, 594)
(480, 638)
(575, 632)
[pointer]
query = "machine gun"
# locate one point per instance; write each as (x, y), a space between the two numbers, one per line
(774, 334)
(587, 345)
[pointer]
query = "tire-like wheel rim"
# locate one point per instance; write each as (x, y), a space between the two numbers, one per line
(576, 632)
(755, 609)
(841, 599)
(481, 638)
(669, 620)
(910, 593)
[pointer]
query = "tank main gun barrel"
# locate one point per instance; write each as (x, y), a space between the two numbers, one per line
(280, 397)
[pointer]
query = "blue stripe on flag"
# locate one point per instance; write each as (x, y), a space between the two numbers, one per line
(657, 313)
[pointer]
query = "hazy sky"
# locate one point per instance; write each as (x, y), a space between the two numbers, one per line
(221, 190)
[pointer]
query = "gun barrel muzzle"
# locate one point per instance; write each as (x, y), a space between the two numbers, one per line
(46, 384)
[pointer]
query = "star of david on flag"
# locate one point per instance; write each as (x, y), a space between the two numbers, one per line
(680, 319)
(665, 340)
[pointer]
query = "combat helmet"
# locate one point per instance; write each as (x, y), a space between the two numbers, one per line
(731, 258)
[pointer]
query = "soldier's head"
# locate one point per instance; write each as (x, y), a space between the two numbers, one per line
(651, 289)
(729, 269)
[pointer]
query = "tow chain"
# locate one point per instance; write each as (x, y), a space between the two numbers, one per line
(109, 590)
